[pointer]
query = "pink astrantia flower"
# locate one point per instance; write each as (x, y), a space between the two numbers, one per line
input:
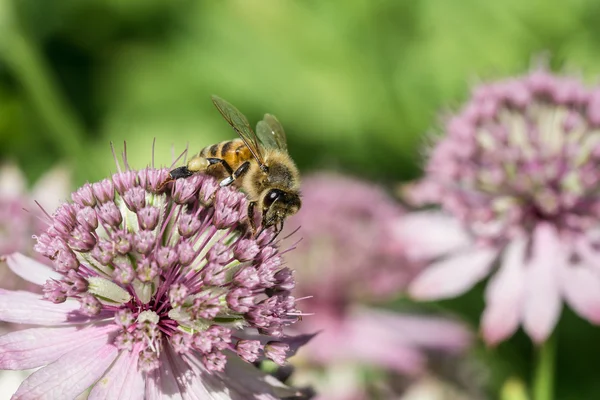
(20, 218)
(152, 295)
(516, 176)
(346, 260)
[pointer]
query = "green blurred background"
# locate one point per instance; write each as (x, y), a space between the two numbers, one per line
(357, 85)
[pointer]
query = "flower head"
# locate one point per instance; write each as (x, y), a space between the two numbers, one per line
(517, 173)
(150, 292)
(347, 258)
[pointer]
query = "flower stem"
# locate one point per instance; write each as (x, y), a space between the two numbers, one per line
(543, 380)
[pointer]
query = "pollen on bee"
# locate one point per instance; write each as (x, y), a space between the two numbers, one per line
(198, 164)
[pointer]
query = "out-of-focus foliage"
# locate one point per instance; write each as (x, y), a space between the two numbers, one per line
(357, 84)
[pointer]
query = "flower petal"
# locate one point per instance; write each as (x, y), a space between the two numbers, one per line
(418, 330)
(504, 295)
(543, 302)
(29, 308)
(161, 383)
(122, 381)
(240, 381)
(71, 374)
(189, 378)
(31, 348)
(52, 188)
(12, 181)
(429, 234)
(380, 346)
(30, 269)
(453, 276)
(581, 288)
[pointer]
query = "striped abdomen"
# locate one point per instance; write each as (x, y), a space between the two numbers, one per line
(234, 152)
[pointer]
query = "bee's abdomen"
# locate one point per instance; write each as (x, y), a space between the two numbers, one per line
(234, 152)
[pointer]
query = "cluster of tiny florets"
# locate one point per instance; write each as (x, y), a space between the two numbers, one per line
(520, 152)
(176, 265)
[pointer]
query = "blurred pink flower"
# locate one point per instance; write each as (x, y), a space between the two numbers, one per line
(516, 176)
(21, 218)
(344, 260)
(151, 295)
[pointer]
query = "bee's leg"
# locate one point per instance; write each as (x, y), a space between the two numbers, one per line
(213, 161)
(251, 206)
(280, 228)
(241, 170)
(181, 172)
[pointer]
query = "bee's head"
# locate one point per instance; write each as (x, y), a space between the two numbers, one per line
(277, 205)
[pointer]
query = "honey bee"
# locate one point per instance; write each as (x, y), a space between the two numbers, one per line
(258, 163)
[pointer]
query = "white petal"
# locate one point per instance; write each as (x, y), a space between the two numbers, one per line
(52, 188)
(123, 381)
(429, 234)
(71, 374)
(29, 308)
(12, 181)
(504, 295)
(453, 276)
(30, 269)
(31, 348)
(543, 301)
(581, 288)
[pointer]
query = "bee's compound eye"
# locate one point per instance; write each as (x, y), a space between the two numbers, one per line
(272, 196)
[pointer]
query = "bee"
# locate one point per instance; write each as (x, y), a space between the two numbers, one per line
(257, 163)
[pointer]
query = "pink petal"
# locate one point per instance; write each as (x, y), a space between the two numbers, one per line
(29, 308)
(31, 270)
(246, 380)
(161, 384)
(239, 381)
(453, 276)
(377, 345)
(430, 234)
(417, 330)
(504, 295)
(189, 378)
(543, 302)
(581, 288)
(122, 381)
(71, 374)
(31, 348)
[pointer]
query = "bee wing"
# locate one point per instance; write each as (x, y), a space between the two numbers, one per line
(271, 134)
(240, 124)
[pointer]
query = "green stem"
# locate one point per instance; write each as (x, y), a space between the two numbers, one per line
(543, 380)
